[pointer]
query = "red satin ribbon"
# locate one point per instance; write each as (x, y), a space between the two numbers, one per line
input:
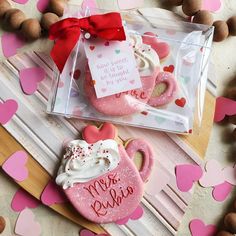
(66, 33)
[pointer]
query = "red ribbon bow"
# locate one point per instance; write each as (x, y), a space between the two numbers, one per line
(66, 33)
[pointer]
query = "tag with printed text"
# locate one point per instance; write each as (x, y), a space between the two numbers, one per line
(112, 65)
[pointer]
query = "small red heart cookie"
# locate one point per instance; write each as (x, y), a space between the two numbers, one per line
(92, 134)
(161, 48)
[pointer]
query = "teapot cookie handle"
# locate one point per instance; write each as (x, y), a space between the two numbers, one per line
(139, 145)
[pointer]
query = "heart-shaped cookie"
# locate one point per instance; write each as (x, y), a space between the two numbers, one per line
(161, 48)
(92, 134)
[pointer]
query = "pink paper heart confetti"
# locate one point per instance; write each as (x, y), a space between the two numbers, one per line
(198, 228)
(29, 79)
(230, 174)
(42, 5)
(221, 192)
(11, 43)
(213, 175)
(137, 214)
(7, 110)
(129, 4)
(22, 200)
(15, 166)
(211, 5)
(26, 224)
(186, 175)
(20, 1)
(52, 194)
(224, 107)
(86, 232)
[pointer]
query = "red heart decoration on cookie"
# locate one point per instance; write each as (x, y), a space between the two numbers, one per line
(92, 134)
(92, 48)
(77, 74)
(180, 102)
(161, 48)
(169, 68)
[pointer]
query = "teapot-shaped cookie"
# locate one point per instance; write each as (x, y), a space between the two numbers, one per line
(99, 177)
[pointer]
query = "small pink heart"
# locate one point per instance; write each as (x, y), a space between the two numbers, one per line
(22, 200)
(224, 107)
(99, 55)
(107, 44)
(15, 166)
(214, 174)
(91, 4)
(86, 232)
(186, 175)
(52, 194)
(42, 5)
(20, 1)
(132, 81)
(104, 90)
(11, 43)
(7, 110)
(222, 191)
(29, 79)
(211, 5)
(26, 224)
(198, 228)
(137, 214)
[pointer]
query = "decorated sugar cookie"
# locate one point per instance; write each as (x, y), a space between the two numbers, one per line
(99, 177)
(133, 101)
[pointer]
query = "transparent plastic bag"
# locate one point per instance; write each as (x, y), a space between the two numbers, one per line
(186, 64)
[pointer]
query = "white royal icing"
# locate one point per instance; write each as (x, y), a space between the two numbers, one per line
(146, 57)
(84, 162)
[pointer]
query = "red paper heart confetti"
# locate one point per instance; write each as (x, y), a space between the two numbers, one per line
(180, 102)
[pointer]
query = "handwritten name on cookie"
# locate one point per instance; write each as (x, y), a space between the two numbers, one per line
(116, 195)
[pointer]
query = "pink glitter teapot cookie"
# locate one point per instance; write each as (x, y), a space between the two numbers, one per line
(100, 178)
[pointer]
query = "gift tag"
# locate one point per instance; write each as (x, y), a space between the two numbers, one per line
(112, 65)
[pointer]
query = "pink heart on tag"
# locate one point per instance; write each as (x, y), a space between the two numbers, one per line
(52, 194)
(26, 224)
(7, 110)
(42, 5)
(224, 107)
(186, 175)
(15, 166)
(11, 43)
(211, 5)
(20, 1)
(29, 79)
(198, 228)
(222, 191)
(129, 4)
(213, 175)
(22, 200)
